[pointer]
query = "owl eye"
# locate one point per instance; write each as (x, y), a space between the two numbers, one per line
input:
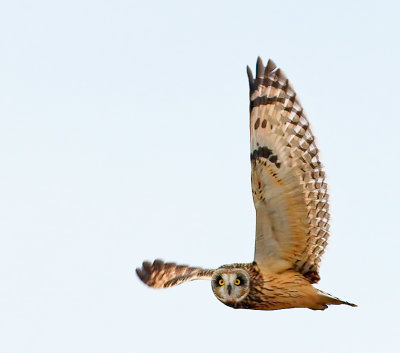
(221, 282)
(237, 282)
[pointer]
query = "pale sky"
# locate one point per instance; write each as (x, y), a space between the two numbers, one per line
(124, 137)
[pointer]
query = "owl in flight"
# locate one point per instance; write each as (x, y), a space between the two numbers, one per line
(291, 202)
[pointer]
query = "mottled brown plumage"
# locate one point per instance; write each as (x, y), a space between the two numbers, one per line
(291, 201)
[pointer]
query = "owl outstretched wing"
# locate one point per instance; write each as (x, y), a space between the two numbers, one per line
(288, 180)
(163, 275)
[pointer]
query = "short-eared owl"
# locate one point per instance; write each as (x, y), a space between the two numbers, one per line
(291, 201)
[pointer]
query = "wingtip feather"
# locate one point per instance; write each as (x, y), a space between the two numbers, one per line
(260, 69)
(249, 74)
(271, 66)
(143, 276)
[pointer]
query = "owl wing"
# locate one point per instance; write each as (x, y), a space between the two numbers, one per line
(288, 181)
(163, 275)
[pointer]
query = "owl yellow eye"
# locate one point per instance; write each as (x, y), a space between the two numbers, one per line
(237, 282)
(221, 282)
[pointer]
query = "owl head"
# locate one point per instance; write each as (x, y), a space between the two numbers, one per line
(230, 285)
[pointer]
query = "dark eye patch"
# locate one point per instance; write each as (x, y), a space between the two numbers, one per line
(242, 280)
(217, 279)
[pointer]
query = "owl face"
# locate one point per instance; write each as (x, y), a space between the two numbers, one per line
(230, 285)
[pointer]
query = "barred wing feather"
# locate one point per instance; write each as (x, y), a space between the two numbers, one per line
(288, 180)
(163, 275)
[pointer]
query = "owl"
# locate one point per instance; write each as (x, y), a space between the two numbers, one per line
(292, 212)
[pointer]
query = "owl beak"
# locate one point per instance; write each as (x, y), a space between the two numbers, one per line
(229, 289)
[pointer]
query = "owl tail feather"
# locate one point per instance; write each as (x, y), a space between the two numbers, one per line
(328, 299)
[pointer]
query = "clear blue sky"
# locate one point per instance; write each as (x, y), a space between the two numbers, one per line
(124, 137)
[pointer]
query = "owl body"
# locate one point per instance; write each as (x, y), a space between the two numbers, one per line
(292, 212)
(272, 291)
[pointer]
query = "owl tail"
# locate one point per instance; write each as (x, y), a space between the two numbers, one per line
(327, 299)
